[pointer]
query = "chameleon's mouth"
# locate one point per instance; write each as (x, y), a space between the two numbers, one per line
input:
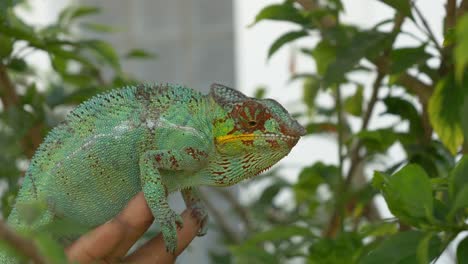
(229, 138)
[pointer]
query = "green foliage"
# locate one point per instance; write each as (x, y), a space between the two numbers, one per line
(424, 187)
(81, 67)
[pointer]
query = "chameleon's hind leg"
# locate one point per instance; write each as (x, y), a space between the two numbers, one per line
(156, 193)
(192, 200)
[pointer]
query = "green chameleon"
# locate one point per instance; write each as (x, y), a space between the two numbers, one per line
(152, 138)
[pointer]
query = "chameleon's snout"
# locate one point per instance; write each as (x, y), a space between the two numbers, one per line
(294, 129)
(299, 129)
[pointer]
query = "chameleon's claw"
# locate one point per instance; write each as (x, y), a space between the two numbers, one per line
(169, 228)
(199, 212)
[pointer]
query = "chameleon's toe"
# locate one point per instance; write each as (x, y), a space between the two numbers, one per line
(169, 228)
(199, 212)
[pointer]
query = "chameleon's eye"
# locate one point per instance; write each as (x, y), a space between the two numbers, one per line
(252, 123)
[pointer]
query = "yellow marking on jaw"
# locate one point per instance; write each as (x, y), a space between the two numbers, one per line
(228, 138)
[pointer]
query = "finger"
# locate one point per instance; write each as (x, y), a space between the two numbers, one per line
(110, 237)
(137, 218)
(154, 251)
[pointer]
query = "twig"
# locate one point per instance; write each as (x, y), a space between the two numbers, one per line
(426, 26)
(463, 8)
(24, 246)
(219, 218)
(9, 96)
(355, 157)
(241, 211)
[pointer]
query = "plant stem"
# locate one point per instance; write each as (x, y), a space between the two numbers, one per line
(341, 187)
(23, 246)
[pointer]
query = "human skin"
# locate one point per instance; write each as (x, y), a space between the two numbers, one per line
(110, 242)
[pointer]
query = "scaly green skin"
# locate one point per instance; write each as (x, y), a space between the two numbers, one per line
(158, 139)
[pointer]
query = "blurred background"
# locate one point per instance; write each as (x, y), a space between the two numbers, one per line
(358, 74)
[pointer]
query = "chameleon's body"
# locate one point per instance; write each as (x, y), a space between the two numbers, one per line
(158, 139)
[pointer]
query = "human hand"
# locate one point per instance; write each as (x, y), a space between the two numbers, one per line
(110, 242)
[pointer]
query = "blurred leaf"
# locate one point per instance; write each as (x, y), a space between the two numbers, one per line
(50, 248)
(73, 12)
(285, 38)
(396, 249)
(260, 92)
(379, 140)
(105, 51)
(353, 104)
(428, 248)
(321, 127)
(460, 52)
(281, 12)
(140, 54)
(462, 251)
(411, 207)
(378, 229)
(404, 58)
(98, 28)
(252, 255)
(6, 46)
(346, 248)
(402, 6)
(310, 89)
(405, 110)
(18, 65)
(277, 233)
(324, 54)
(444, 113)
(363, 44)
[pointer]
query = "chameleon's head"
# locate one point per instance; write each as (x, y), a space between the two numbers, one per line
(251, 134)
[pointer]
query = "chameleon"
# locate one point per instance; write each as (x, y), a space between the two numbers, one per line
(159, 139)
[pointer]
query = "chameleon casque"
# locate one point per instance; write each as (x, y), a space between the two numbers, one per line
(152, 138)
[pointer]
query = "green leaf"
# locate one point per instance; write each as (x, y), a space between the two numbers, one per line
(324, 54)
(460, 52)
(427, 248)
(405, 110)
(98, 28)
(462, 251)
(140, 54)
(402, 6)
(459, 176)
(6, 46)
(363, 45)
(278, 233)
(287, 37)
(398, 248)
(346, 248)
(404, 58)
(458, 187)
(73, 12)
(105, 51)
(18, 65)
(281, 12)
(444, 113)
(353, 104)
(310, 89)
(377, 141)
(413, 207)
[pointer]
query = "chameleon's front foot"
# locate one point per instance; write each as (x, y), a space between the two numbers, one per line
(169, 227)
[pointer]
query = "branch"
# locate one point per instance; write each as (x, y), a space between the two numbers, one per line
(420, 89)
(24, 246)
(9, 96)
(355, 157)
(428, 29)
(308, 5)
(463, 8)
(241, 211)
